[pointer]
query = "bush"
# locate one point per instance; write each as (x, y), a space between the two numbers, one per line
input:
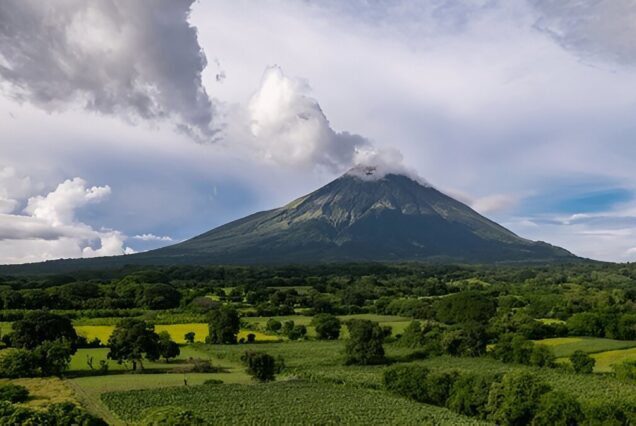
(364, 345)
(18, 363)
(56, 414)
(582, 363)
(189, 337)
(407, 380)
(327, 326)
(13, 393)
(172, 416)
(469, 395)
(297, 332)
(625, 370)
(260, 365)
(542, 356)
(558, 409)
(213, 382)
(515, 400)
(273, 325)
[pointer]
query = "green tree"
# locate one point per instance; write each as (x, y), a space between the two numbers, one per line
(558, 409)
(260, 365)
(582, 363)
(626, 370)
(18, 363)
(327, 326)
(132, 340)
(467, 306)
(13, 393)
(189, 337)
(542, 356)
(469, 395)
(364, 345)
(224, 324)
(273, 325)
(168, 348)
(53, 357)
(515, 400)
(41, 326)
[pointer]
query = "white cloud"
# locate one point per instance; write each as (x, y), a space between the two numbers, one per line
(496, 203)
(134, 59)
(49, 228)
(290, 128)
(152, 237)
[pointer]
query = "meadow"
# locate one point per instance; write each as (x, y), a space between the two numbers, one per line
(565, 346)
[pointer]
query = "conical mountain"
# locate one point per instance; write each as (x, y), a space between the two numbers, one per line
(361, 216)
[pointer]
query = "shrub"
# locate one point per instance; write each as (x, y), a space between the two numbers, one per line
(327, 326)
(172, 416)
(469, 395)
(582, 363)
(558, 409)
(407, 380)
(13, 393)
(297, 332)
(189, 337)
(625, 370)
(167, 347)
(213, 382)
(515, 400)
(251, 338)
(273, 325)
(364, 345)
(18, 363)
(260, 365)
(542, 356)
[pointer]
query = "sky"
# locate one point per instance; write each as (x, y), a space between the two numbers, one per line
(127, 126)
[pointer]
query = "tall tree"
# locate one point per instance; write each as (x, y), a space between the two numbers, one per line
(224, 325)
(132, 340)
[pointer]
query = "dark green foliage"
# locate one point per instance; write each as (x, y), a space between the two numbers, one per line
(327, 326)
(224, 325)
(582, 363)
(173, 416)
(56, 414)
(364, 345)
(251, 338)
(465, 307)
(514, 348)
(412, 336)
(542, 356)
(13, 393)
(409, 381)
(53, 358)
(18, 363)
(273, 325)
(132, 340)
(160, 296)
(294, 332)
(167, 347)
(213, 382)
(558, 409)
(189, 337)
(40, 326)
(260, 365)
(626, 370)
(469, 339)
(469, 395)
(515, 400)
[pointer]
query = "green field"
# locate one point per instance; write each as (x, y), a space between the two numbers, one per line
(565, 346)
(176, 331)
(286, 402)
(605, 360)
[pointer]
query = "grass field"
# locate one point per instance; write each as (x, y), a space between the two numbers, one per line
(176, 331)
(286, 402)
(44, 391)
(565, 346)
(605, 360)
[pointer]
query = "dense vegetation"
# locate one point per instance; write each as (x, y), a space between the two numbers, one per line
(506, 344)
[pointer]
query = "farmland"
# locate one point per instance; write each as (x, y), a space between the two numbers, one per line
(565, 346)
(307, 403)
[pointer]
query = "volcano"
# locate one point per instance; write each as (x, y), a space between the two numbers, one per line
(362, 216)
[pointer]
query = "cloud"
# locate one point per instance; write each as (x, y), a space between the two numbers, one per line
(592, 29)
(152, 237)
(116, 57)
(291, 129)
(494, 203)
(49, 229)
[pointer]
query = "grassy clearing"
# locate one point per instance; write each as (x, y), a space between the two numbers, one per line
(176, 331)
(565, 346)
(44, 391)
(605, 360)
(291, 402)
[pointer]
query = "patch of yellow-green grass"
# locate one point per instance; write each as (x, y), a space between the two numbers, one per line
(550, 321)
(176, 331)
(565, 346)
(605, 360)
(44, 391)
(5, 328)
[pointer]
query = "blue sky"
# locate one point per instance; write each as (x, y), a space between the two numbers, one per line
(123, 130)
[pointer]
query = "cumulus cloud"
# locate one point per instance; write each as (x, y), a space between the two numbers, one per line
(49, 229)
(290, 128)
(494, 203)
(117, 57)
(373, 163)
(603, 29)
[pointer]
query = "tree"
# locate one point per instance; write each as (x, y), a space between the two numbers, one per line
(189, 337)
(167, 347)
(582, 363)
(160, 296)
(132, 340)
(364, 345)
(515, 400)
(53, 357)
(469, 395)
(297, 332)
(41, 326)
(468, 340)
(412, 336)
(273, 325)
(260, 365)
(18, 363)
(224, 324)
(327, 326)
(467, 306)
(542, 356)
(626, 370)
(558, 409)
